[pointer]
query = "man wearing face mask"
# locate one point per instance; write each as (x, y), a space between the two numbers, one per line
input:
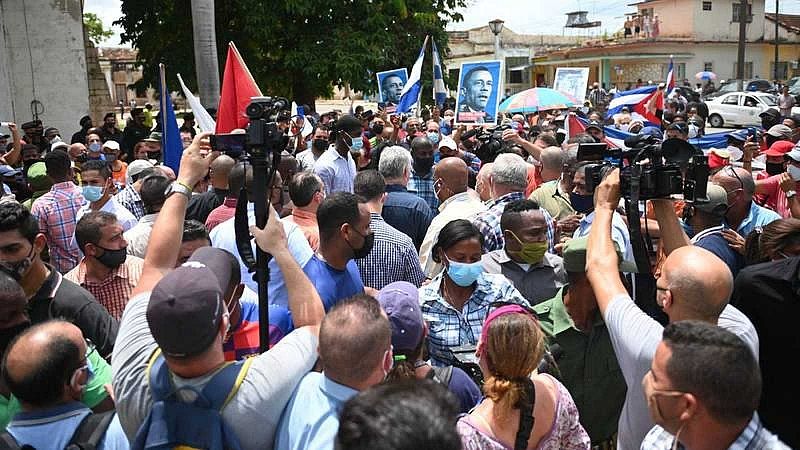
(106, 270)
(49, 294)
(97, 187)
(402, 209)
(714, 410)
(524, 260)
(319, 143)
(775, 162)
(344, 235)
(336, 165)
(48, 368)
(421, 179)
(30, 156)
(743, 214)
(94, 146)
(779, 192)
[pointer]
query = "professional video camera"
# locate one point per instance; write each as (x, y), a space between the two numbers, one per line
(263, 133)
(491, 141)
(649, 168)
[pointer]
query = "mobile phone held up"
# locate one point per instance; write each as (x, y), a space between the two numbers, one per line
(231, 144)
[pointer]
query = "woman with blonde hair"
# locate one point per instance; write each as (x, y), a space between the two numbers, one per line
(522, 409)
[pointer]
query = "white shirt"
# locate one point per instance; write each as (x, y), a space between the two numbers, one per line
(139, 235)
(124, 217)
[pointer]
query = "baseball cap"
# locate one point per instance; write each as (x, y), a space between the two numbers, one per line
(155, 136)
(8, 171)
(683, 127)
(138, 166)
(113, 145)
(595, 124)
(739, 135)
(781, 131)
(400, 301)
(717, 200)
(185, 310)
(779, 148)
(793, 155)
(37, 177)
(652, 131)
(574, 256)
(448, 142)
(221, 262)
(771, 112)
(58, 144)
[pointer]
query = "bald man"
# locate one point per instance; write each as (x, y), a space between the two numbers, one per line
(552, 159)
(456, 201)
(743, 215)
(694, 285)
(482, 184)
(201, 205)
(47, 368)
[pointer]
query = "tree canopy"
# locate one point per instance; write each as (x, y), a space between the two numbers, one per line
(94, 28)
(294, 48)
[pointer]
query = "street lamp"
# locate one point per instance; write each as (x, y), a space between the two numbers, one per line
(496, 26)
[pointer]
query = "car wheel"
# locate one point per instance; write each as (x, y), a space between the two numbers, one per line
(715, 120)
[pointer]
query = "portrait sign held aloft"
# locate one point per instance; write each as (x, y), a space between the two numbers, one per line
(390, 85)
(478, 92)
(572, 81)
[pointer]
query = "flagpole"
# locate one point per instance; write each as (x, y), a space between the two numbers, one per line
(419, 96)
(163, 104)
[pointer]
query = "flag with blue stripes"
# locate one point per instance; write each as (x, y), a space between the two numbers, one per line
(410, 94)
(171, 146)
(439, 89)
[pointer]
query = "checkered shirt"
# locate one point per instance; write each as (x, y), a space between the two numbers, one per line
(56, 213)
(423, 187)
(754, 436)
(393, 257)
(113, 292)
(131, 200)
(449, 327)
(488, 222)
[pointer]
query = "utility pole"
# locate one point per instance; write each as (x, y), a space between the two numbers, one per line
(775, 74)
(742, 39)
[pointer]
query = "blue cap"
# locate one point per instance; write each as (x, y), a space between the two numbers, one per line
(652, 131)
(8, 171)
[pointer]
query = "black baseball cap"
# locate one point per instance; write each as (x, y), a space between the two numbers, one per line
(680, 126)
(595, 124)
(771, 112)
(185, 310)
(224, 265)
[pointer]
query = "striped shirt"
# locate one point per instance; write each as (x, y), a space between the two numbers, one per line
(423, 187)
(56, 212)
(754, 436)
(130, 199)
(113, 292)
(488, 223)
(393, 257)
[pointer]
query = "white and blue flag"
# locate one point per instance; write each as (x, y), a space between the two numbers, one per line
(439, 89)
(410, 94)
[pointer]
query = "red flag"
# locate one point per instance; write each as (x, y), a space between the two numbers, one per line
(577, 126)
(238, 86)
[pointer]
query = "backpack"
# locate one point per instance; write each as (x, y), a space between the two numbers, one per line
(199, 424)
(87, 435)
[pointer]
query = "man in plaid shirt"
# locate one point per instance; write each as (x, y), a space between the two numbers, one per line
(421, 180)
(56, 211)
(106, 270)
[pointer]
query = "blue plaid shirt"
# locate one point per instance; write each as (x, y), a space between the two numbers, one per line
(449, 327)
(488, 222)
(392, 258)
(423, 187)
(754, 436)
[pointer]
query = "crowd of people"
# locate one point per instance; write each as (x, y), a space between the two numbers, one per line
(425, 291)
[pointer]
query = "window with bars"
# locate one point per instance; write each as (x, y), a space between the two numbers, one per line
(708, 66)
(736, 7)
(706, 6)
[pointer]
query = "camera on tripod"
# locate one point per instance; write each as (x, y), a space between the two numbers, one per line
(264, 113)
(649, 168)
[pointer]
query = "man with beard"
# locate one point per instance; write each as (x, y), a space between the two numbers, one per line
(109, 128)
(475, 93)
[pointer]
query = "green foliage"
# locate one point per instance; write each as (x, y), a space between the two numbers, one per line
(94, 28)
(294, 48)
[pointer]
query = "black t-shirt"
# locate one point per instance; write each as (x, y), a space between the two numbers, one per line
(201, 205)
(61, 298)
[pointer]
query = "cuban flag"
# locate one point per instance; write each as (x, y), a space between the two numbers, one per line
(410, 94)
(636, 100)
(439, 89)
(670, 84)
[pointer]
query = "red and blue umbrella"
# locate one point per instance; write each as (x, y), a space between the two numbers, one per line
(535, 100)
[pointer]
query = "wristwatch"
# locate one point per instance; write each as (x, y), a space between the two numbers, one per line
(791, 193)
(178, 187)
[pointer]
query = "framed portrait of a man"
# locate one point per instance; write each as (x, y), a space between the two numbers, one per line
(478, 92)
(390, 85)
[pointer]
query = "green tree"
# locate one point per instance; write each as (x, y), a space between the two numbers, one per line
(94, 28)
(294, 48)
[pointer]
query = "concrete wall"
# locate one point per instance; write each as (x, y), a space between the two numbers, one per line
(55, 37)
(686, 18)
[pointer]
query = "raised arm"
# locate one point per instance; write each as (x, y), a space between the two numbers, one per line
(162, 250)
(12, 157)
(672, 234)
(532, 149)
(304, 301)
(602, 263)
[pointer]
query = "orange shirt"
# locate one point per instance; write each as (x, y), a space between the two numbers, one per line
(120, 177)
(307, 221)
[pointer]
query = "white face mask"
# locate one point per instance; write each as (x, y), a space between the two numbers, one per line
(794, 172)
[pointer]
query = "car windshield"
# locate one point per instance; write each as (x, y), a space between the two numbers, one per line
(769, 100)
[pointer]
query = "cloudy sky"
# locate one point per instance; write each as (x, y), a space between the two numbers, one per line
(522, 16)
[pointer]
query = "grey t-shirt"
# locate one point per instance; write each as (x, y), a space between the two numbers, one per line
(635, 337)
(253, 413)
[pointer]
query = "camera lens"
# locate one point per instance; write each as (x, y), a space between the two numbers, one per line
(255, 110)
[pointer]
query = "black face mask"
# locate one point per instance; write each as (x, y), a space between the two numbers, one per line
(369, 241)
(28, 163)
(153, 155)
(774, 168)
(377, 129)
(112, 258)
(319, 144)
(8, 334)
(423, 165)
(81, 158)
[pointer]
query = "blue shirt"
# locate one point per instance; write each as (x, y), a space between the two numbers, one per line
(224, 236)
(407, 213)
(449, 327)
(333, 284)
(712, 240)
(758, 216)
(336, 171)
(54, 427)
(311, 418)
(423, 187)
(619, 233)
(392, 258)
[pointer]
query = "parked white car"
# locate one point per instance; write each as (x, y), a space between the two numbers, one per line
(739, 108)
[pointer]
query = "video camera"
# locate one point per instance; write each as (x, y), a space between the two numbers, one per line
(263, 132)
(491, 141)
(649, 169)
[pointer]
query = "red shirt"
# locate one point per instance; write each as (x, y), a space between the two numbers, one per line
(221, 213)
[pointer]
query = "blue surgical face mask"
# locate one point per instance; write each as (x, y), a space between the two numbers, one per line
(583, 204)
(356, 144)
(464, 274)
(92, 193)
(95, 147)
(434, 138)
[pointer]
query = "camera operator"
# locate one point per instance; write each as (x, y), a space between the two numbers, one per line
(694, 285)
(743, 213)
